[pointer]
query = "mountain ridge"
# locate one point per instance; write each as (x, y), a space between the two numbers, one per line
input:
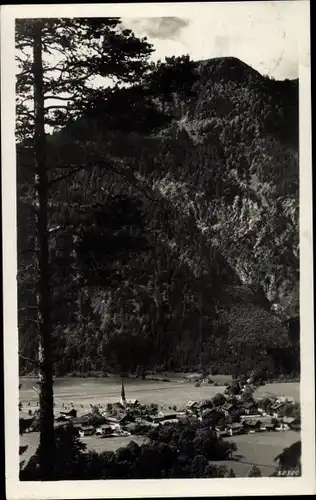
(225, 177)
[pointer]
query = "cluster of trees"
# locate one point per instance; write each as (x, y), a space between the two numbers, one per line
(178, 452)
(140, 201)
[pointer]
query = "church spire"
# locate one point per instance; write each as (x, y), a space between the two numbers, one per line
(123, 397)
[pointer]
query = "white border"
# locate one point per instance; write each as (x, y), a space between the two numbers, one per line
(148, 488)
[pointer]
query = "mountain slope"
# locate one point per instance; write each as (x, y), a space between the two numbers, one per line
(217, 198)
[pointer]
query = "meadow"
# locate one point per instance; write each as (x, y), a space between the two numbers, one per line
(252, 449)
(83, 392)
(258, 449)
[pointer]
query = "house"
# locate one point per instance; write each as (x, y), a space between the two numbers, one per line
(155, 418)
(270, 427)
(275, 409)
(207, 412)
(235, 428)
(124, 418)
(116, 405)
(264, 422)
(221, 432)
(282, 399)
(103, 430)
(187, 419)
(63, 419)
(132, 403)
(192, 405)
(290, 400)
(205, 404)
(250, 407)
(170, 421)
(252, 425)
(84, 420)
(169, 415)
(230, 409)
(287, 422)
(71, 413)
(87, 431)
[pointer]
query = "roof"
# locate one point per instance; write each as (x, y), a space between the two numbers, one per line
(169, 415)
(235, 425)
(249, 404)
(190, 404)
(289, 420)
(78, 426)
(80, 420)
(282, 399)
(252, 422)
(156, 418)
(123, 416)
(228, 406)
(131, 401)
(88, 428)
(276, 406)
(70, 412)
(222, 432)
(205, 402)
(116, 403)
(170, 421)
(207, 411)
(265, 420)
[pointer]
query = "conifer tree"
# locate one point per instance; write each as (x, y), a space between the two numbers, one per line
(57, 60)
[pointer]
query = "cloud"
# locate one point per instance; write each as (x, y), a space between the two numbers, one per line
(262, 34)
(163, 28)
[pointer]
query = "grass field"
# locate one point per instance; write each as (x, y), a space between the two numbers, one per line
(83, 392)
(93, 443)
(252, 449)
(258, 449)
(102, 391)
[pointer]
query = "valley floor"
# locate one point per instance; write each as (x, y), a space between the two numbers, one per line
(84, 392)
(252, 449)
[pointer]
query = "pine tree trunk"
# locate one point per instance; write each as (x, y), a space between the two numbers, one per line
(47, 441)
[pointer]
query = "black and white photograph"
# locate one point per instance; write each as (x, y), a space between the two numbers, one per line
(158, 305)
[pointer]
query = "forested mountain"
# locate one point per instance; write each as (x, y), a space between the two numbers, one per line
(172, 254)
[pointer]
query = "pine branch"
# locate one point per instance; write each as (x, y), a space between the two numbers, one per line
(65, 176)
(33, 361)
(29, 308)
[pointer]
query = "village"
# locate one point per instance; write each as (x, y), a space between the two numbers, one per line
(236, 411)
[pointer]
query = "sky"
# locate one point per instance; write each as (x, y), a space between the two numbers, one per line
(262, 34)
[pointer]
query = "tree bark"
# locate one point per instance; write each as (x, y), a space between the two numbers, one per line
(44, 298)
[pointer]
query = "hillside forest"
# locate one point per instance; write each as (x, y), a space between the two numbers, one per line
(172, 210)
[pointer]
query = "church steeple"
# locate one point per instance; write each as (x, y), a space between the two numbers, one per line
(123, 397)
